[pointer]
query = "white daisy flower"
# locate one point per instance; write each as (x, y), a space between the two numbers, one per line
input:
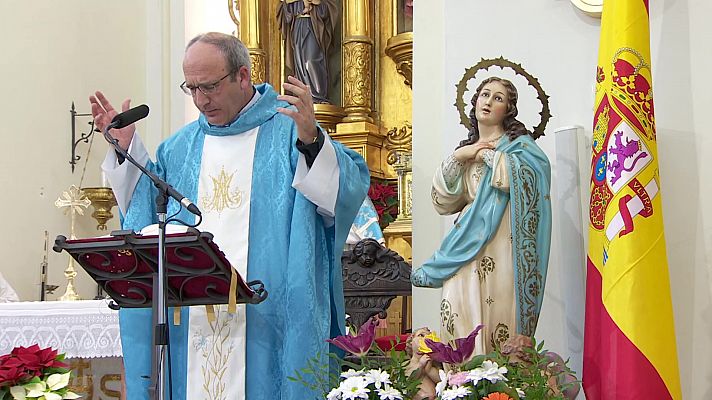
(354, 388)
(351, 373)
(476, 375)
(334, 394)
(493, 372)
(389, 393)
(455, 393)
(443, 382)
(378, 378)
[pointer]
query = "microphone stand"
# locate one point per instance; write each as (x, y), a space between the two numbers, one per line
(160, 361)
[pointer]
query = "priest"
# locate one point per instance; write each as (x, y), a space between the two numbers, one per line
(278, 194)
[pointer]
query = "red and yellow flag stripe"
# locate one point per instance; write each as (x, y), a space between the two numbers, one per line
(629, 349)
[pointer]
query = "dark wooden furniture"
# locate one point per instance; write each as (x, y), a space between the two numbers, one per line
(373, 276)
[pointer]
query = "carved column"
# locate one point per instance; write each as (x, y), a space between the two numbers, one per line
(358, 130)
(357, 60)
(251, 33)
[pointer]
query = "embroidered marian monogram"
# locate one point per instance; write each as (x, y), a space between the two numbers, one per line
(223, 195)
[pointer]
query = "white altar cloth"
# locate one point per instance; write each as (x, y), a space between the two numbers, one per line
(80, 329)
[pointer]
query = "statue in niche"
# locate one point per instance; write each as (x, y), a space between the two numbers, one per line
(307, 27)
(492, 263)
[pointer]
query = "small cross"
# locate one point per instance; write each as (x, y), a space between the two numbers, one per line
(74, 200)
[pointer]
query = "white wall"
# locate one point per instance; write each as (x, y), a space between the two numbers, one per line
(559, 45)
(56, 53)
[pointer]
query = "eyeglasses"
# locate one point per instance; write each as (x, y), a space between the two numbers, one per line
(206, 88)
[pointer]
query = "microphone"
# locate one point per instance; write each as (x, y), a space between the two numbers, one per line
(128, 117)
(183, 200)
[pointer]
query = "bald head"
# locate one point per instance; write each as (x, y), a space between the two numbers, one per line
(231, 48)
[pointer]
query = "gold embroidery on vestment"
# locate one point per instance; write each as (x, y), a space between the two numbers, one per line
(223, 195)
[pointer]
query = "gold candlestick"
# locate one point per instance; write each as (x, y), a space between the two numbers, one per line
(103, 200)
(72, 201)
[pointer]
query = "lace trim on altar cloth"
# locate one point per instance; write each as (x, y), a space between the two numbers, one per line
(80, 329)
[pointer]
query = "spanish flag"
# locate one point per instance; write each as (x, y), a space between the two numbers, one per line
(629, 344)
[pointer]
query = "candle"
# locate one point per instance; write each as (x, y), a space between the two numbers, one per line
(104, 179)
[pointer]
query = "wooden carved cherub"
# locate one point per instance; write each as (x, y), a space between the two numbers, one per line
(421, 364)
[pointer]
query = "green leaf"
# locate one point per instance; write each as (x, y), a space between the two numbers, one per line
(475, 362)
(50, 371)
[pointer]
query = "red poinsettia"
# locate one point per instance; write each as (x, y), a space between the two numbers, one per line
(12, 375)
(25, 363)
(34, 359)
(385, 200)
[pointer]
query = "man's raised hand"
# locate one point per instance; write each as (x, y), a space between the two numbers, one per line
(301, 98)
(103, 112)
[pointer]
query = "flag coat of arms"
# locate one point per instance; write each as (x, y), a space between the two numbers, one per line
(629, 345)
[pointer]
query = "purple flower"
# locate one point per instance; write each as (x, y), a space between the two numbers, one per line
(360, 344)
(464, 347)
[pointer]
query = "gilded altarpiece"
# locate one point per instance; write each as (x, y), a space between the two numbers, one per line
(370, 93)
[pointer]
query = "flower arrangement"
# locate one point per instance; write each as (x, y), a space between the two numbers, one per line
(431, 369)
(365, 384)
(34, 373)
(516, 370)
(385, 200)
(376, 375)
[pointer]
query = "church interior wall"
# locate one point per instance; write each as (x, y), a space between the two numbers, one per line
(54, 55)
(558, 44)
(58, 55)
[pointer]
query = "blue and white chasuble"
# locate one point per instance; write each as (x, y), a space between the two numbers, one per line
(256, 192)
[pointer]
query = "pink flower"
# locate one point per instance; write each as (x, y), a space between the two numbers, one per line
(459, 378)
(360, 344)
